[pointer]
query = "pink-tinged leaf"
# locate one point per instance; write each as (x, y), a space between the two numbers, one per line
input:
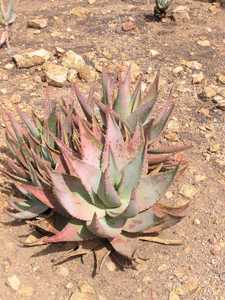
(123, 103)
(73, 232)
(140, 222)
(136, 96)
(4, 38)
(103, 228)
(131, 175)
(36, 209)
(153, 159)
(14, 168)
(153, 89)
(107, 85)
(90, 147)
(115, 140)
(136, 141)
(124, 246)
(141, 114)
(162, 210)
(17, 129)
(160, 123)
(83, 101)
(152, 188)
(45, 196)
(73, 198)
(106, 192)
(29, 123)
(169, 148)
(96, 129)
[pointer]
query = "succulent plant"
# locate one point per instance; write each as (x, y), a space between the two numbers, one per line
(97, 165)
(7, 17)
(161, 7)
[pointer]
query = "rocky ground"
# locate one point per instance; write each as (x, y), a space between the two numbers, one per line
(54, 43)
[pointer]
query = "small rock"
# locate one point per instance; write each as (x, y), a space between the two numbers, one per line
(72, 60)
(80, 12)
(173, 125)
(216, 249)
(209, 92)
(9, 66)
(203, 43)
(69, 285)
(87, 73)
(55, 75)
(26, 291)
(91, 1)
(188, 191)
(178, 70)
(173, 296)
(84, 292)
(197, 78)
(147, 279)
(4, 91)
(180, 14)
(193, 64)
(172, 136)
(214, 148)
(200, 178)
(196, 222)
(63, 271)
(163, 268)
(59, 51)
(220, 102)
(33, 58)
(72, 75)
(110, 265)
(154, 53)
(3, 75)
(13, 282)
(15, 99)
(221, 78)
(129, 25)
(37, 23)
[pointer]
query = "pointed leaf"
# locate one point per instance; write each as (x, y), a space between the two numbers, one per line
(74, 231)
(73, 198)
(124, 246)
(123, 104)
(104, 227)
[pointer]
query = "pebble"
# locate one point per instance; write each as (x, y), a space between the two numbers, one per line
(180, 14)
(220, 102)
(72, 75)
(221, 78)
(209, 91)
(129, 25)
(26, 291)
(197, 78)
(163, 268)
(188, 191)
(37, 23)
(178, 70)
(56, 75)
(80, 12)
(87, 73)
(203, 43)
(196, 222)
(154, 53)
(13, 282)
(84, 292)
(216, 249)
(192, 64)
(9, 66)
(72, 60)
(63, 271)
(110, 265)
(32, 58)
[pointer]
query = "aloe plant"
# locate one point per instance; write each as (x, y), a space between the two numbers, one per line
(97, 165)
(7, 17)
(161, 7)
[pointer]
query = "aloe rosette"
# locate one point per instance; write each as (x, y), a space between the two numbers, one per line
(97, 165)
